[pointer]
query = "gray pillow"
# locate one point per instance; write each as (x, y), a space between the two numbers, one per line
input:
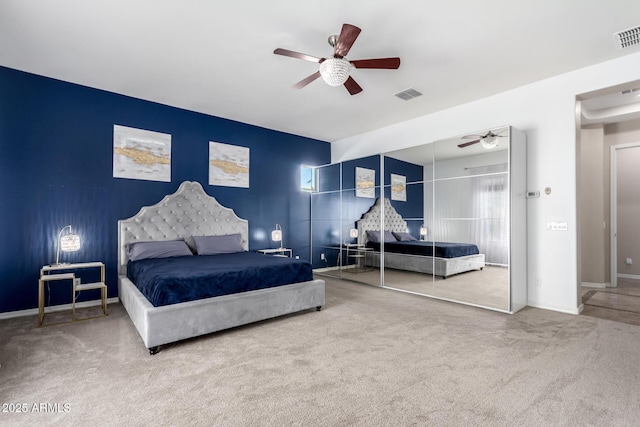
(213, 245)
(165, 249)
(389, 237)
(374, 236)
(404, 237)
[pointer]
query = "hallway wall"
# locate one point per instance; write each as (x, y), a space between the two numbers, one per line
(594, 238)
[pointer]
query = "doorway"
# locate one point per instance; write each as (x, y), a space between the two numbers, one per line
(625, 212)
(609, 284)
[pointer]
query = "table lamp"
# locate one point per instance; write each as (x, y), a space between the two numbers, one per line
(276, 235)
(66, 243)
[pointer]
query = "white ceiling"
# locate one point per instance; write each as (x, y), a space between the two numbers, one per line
(217, 57)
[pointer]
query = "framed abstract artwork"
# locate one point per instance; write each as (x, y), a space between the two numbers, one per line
(365, 183)
(398, 187)
(228, 165)
(141, 154)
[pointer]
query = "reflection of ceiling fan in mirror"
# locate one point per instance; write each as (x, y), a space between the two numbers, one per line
(488, 140)
(336, 69)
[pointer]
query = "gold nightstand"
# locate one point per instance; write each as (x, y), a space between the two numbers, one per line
(50, 273)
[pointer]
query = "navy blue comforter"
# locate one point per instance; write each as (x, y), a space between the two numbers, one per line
(173, 280)
(420, 247)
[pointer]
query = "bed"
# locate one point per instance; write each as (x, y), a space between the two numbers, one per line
(190, 214)
(439, 258)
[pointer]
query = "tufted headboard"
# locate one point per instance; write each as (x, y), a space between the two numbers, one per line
(187, 212)
(372, 218)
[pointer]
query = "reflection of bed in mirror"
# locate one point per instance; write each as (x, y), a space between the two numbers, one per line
(440, 258)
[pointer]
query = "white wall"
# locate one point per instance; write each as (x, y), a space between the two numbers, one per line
(545, 111)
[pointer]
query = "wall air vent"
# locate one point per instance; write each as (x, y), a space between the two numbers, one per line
(408, 94)
(627, 38)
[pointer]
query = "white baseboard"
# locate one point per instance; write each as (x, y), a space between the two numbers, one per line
(576, 310)
(596, 285)
(62, 307)
(628, 276)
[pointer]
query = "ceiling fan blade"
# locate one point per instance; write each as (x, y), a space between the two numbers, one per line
(474, 136)
(302, 83)
(466, 144)
(352, 86)
(298, 55)
(384, 63)
(347, 37)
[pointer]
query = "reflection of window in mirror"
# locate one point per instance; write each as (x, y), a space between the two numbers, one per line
(308, 178)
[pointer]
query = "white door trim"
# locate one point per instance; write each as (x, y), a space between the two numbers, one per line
(614, 208)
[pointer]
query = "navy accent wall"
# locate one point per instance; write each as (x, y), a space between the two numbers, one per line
(56, 160)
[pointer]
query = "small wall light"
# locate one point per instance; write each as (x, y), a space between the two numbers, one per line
(66, 243)
(276, 235)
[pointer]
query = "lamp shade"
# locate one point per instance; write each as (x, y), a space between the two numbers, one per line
(276, 235)
(335, 71)
(70, 243)
(66, 242)
(353, 233)
(423, 231)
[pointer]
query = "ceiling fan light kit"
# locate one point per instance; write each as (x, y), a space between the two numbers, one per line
(488, 141)
(335, 70)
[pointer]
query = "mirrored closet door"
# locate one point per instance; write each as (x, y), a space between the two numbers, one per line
(471, 218)
(345, 191)
(408, 200)
(446, 220)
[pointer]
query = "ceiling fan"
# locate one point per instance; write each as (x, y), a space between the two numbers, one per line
(488, 140)
(335, 70)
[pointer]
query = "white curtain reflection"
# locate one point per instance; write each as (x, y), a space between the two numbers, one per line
(490, 189)
(475, 209)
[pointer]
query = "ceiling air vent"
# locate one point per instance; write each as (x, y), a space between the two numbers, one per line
(408, 94)
(627, 38)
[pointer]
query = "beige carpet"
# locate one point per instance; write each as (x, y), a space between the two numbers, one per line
(371, 357)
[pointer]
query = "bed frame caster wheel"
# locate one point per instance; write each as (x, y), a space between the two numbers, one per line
(318, 308)
(153, 350)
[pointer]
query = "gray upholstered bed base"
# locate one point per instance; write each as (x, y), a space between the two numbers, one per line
(422, 264)
(186, 213)
(167, 324)
(443, 267)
